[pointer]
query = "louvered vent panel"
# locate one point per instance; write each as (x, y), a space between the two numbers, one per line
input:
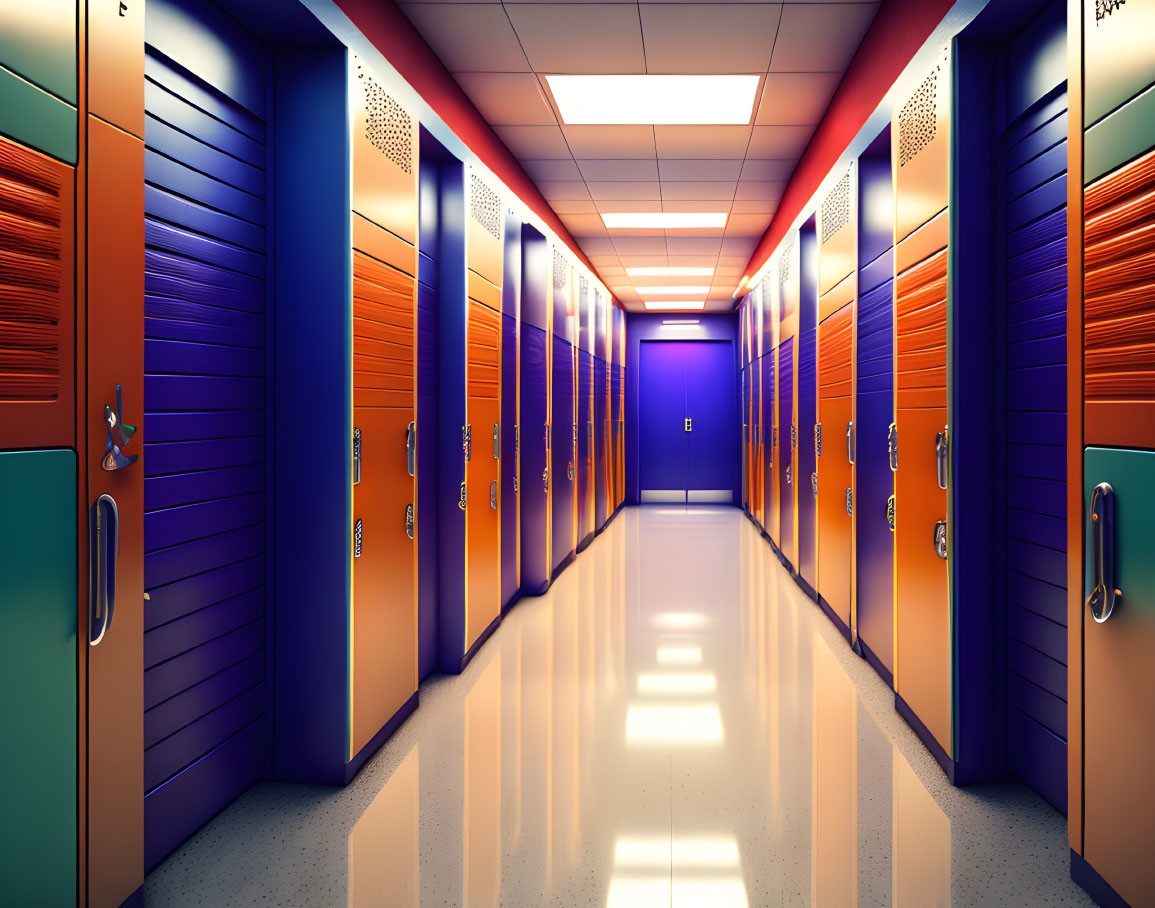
(388, 127)
(920, 327)
(31, 274)
(382, 334)
(484, 206)
(784, 264)
(1120, 284)
(836, 208)
(918, 120)
(560, 269)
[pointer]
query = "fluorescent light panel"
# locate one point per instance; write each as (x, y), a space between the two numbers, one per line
(674, 304)
(665, 220)
(647, 292)
(720, 100)
(669, 271)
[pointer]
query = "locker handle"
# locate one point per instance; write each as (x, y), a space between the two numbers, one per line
(493, 494)
(1103, 594)
(892, 446)
(941, 449)
(411, 448)
(496, 442)
(104, 533)
(850, 442)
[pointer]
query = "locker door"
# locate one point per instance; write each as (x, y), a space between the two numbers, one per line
(756, 477)
(204, 426)
(483, 489)
(766, 458)
(563, 471)
(38, 592)
(1119, 672)
(835, 489)
(510, 395)
(806, 415)
(920, 140)
(585, 453)
(534, 492)
(786, 445)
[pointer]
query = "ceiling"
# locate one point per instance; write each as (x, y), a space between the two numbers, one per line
(499, 52)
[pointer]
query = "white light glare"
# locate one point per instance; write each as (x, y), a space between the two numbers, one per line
(679, 655)
(675, 304)
(680, 621)
(673, 100)
(665, 220)
(677, 683)
(673, 725)
(648, 292)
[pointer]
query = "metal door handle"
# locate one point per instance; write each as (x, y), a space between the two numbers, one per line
(850, 442)
(409, 521)
(411, 448)
(493, 494)
(357, 455)
(892, 446)
(496, 442)
(1103, 593)
(941, 448)
(103, 543)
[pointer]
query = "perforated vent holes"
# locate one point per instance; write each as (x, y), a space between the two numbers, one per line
(918, 120)
(560, 269)
(784, 263)
(388, 127)
(484, 205)
(836, 208)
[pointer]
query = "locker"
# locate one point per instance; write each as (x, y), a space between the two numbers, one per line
(537, 289)
(920, 143)
(601, 410)
(787, 441)
(771, 490)
(585, 390)
(874, 410)
(806, 412)
(837, 308)
(510, 395)
(563, 402)
(756, 465)
(38, 599)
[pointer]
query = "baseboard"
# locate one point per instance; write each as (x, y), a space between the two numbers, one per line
(924, 735)
(362, 756)
(874, 662)
(835, 618)
(485, 635)
(1096, 887)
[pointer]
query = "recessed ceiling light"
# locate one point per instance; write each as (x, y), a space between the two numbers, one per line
(665, 220)
(645, 291)
(673, 304)
(668, 271)
(656, 100)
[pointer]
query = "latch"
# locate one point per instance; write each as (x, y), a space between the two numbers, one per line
(849, 502)
(690, 426)
(818, 439)
(461, 499)
(941, 451)
(356, 455)
(493, 494)
(411, 448)
(357, 538)
(940, 539)
(467, 441)
(814, 483)
(409, 520)
(496, 442)
(850, 442)
(892, 446)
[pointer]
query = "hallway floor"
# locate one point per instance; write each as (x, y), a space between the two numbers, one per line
(674, 723)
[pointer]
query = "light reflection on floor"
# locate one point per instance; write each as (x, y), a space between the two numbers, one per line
(673, 724)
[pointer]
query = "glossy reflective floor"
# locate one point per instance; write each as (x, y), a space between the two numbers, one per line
(673, 724)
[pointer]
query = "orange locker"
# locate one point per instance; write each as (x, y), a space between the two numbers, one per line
(920, 160)
(383, 623)
(837, 288)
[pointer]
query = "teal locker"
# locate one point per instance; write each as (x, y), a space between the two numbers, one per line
(38, 660)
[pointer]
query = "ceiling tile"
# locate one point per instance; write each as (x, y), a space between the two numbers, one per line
(599, 247)
(612, 142)
(644, 261)
(693, 245)
(779, 141)
(533, 142)
(694, 191)
(583, 224)
(639, 245)
(614, 169)
(579, 37)
(759, 169)
(709, 37)
(696, 205)
(696, 169)
(614, 206)
(508, 99)
(702, 141)
(563, 191)
(820, 37)
(696, 261)
(573, 206)
(756, 206)
(625, 191)
(557, 169)
(796, 99)
(738, 261)
(468, 37)
(747, 224)
(739, 247)
(750, 190)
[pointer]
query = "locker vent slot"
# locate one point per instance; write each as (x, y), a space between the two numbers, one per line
(584, 284)
(484, 205)
(836, 208)
(784, 263)
(388, 127)
(31, 275)
(918, 120)
(560, 269)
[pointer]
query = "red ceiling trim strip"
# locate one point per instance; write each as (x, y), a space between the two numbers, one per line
(899, 30)
(383, 23)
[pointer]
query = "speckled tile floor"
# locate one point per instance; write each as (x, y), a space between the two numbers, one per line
(673, 724)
